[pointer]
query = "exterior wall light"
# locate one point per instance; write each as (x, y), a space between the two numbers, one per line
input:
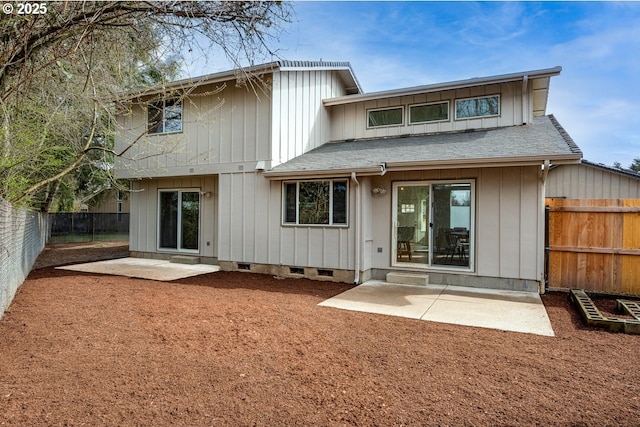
(379, 190)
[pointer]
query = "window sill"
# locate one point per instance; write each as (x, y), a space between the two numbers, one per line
(316, 225)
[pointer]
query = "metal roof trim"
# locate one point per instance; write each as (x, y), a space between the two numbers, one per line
(458, 84)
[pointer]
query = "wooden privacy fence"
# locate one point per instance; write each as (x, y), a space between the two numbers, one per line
(594, 244)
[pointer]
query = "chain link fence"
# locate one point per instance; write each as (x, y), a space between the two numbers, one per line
(22, 237)
(88, 227)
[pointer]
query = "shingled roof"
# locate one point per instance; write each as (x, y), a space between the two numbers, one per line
(543, 139)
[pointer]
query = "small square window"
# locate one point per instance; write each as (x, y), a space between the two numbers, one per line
(164, 116)
(385, 117)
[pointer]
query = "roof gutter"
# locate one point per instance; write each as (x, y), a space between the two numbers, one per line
(491, 162)
(385, 167)
(378, 170)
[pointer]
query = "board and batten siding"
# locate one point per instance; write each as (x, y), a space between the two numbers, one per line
(251, 230)
(143, 228)
(582, 181)
(509, 221)
(223, 126)
(300, 120)
(349, 121)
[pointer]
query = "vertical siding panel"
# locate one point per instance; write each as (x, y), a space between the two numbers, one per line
(225, 214)
(224, 126)
(261, 218)
(249, 213)
(274, 234)
(488, 222)
(510, 222)
(316, 246)
(136, 198)
(288, 246)
(301, 255)
(275, 150)
(151, 220)
(237, 125)
(530, 199)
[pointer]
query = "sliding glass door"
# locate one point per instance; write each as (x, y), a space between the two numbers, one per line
(451, 224)
(432, 224)
(179, 220)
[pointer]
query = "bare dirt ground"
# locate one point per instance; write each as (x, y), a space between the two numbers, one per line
(250, 350)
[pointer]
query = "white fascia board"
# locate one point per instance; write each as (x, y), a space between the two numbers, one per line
(311, 174)
(459, 84)
(483, 163)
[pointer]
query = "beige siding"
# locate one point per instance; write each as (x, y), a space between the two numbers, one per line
(224, 127)
(581, 181)
(250, 229)
(508, 221)
(300, 120)
(143, 229)
(110, 203)
(350, 120)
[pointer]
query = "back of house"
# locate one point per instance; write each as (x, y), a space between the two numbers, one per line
(288, 168)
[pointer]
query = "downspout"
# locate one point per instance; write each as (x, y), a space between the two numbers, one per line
(525, 100)
(356, 279)
(547, 249)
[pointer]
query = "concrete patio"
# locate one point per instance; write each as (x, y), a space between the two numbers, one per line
(484, 308)
(143, 268)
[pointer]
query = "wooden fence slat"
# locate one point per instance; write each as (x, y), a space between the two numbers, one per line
(593, 250)
(595, 209)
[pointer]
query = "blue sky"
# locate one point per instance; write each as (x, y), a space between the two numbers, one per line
(392, 45)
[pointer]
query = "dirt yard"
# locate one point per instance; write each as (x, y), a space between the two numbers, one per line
(251, 350)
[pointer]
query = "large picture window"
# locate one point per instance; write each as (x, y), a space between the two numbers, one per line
(164, 116)
(478, 107)
(315, 202)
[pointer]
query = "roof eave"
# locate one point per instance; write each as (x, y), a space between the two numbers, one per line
(431, 164)
(459, 84)
(484, 163)
(326, 173)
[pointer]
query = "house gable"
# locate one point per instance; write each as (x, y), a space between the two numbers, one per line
(229, 125)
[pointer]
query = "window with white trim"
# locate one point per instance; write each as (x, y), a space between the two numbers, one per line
(483, 106)
(164, 116)
(432, 112)
(385, 117)
(315, 202)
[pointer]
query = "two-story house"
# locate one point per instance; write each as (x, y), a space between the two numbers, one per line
(306, 175)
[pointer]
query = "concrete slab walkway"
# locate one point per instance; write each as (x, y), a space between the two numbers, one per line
(484, 308)
(143, 268)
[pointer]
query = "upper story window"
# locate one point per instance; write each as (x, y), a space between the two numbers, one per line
(483, 106)
(385, 117)
(315, 202)
(164, 116)
(432, 112)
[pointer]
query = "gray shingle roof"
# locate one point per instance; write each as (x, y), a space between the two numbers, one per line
(544, 139)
